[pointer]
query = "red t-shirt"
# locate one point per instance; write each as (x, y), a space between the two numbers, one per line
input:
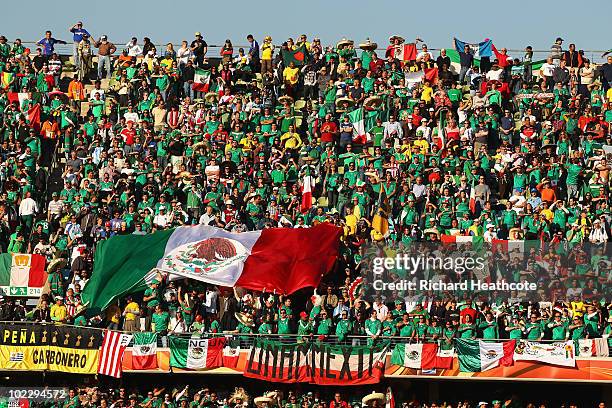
(128, 136)
(328, 129)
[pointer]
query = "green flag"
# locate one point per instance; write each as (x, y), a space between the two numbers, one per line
(120, 265)
(299, 56)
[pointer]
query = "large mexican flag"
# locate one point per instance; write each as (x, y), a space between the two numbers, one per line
(22, 274)
(280, 259)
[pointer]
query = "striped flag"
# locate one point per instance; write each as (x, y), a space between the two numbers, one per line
(403, 52)
(201, 80)
(307, 184)
(22, 274)
(111, 353)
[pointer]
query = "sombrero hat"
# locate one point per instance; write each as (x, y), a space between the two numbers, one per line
(467, 101)
(393, 37)
(344, 42)
(341, 102)
(375, 396)
(57, 263)
(198, 145)
(211, 97)
(373, 175)
(198, 101)
(373, 101)
(264, 401)
(244, 319)
(286, 98)
(368, 45)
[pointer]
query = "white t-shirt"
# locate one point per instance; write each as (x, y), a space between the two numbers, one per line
(92, 94)
(547, 69)
(183, 55)
(586, 77)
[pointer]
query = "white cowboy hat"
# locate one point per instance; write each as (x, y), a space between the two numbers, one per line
(375, 396)
(344, 42)
(368, 45)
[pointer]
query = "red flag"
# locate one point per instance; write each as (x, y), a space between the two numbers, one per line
(111, 353)
(508, 359)
(34, 117)
(290, 259)
(431, 75)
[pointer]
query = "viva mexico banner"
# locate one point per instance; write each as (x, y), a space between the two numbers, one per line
(49, 347)
(316, 363)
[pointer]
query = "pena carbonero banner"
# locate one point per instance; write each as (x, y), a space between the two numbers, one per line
(316, 363)
(49, 347)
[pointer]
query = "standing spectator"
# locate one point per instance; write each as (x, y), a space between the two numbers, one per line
(78, 32)
(84, 57)
(556, 51)
(133, 48)
(105, 52)
(199, 47)
(253, 52)
(48, 44)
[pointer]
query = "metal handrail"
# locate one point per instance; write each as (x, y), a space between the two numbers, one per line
(247, 339)
(66, 49)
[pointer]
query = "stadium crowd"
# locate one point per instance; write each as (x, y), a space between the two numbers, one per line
(188, 397)
(156, 137)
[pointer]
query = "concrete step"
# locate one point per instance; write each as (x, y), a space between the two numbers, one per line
(84, 108)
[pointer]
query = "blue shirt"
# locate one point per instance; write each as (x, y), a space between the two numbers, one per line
(48, 45)
(77, 34)
(254, 50)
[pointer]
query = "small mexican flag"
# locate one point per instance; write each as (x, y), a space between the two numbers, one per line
(478, 355)
(144, 351)
(418, 356)
(363, 121)
(201, 80)
(457, 239)
(22, 274)
(195, 353)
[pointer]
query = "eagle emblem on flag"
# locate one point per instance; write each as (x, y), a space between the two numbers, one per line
(202, 257)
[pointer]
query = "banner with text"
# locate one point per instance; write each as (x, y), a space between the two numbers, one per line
(316, 363)
(49, 347)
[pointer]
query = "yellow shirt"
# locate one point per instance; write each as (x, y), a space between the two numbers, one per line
(131, 307)
(548, 214)
(351, 223)
(113, 313)
(291, 75)
(427, 94)
(266, 51)
(246, 143)
(293, 140)
(423, 145)
(58, 313)
(609, 95)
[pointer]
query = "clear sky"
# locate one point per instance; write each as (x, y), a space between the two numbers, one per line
(515, 25)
